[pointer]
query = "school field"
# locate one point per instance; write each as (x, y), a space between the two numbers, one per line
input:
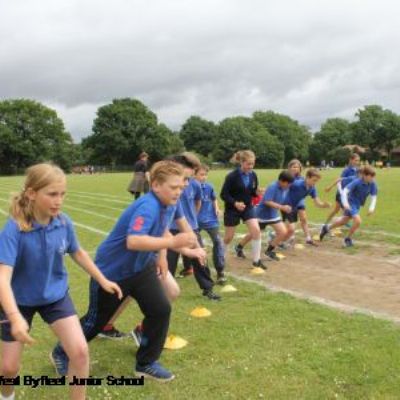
(258, 343)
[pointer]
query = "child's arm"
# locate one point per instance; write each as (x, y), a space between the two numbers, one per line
(282, 207)
(329, 188)
(372, 205)
(82, 258)
(19, 327)
(321, 204)
(216, 207)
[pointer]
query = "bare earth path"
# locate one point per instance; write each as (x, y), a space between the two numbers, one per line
(366, 279)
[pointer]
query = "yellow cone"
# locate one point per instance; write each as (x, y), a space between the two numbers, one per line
(316, 238)
(257, 271)
(200, 312)
(228, 289)
(280, 256)
(337, 232)
(299, 246)
(174, 342)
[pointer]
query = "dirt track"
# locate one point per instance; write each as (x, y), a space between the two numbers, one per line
(367, 277)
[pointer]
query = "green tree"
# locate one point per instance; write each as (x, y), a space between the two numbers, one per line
(334, 133)
(240, 133)
(198, 135)
(295, 138)
(123, 129)
(30, 133)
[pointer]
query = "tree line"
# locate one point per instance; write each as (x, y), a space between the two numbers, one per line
(30, 132)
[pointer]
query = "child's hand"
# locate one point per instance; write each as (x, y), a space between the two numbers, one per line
(239, 205)
(185, 239)
(112, 287)
(327, 204)
(199, 253)
(286, 209)
(162, 267)
(20, 329)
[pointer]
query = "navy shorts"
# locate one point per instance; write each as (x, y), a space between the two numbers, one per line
(264, 224)
(50, 313)
(291, 217)
(233, 217)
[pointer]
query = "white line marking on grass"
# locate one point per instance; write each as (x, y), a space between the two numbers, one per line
(84, 203)
(90, 228)
(110, 196)
(319, 300)
(94, 197)
(90, 212)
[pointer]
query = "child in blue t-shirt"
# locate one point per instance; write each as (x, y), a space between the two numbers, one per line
(353, 198)
(207, 218)
(347, 175)
(269, 211)
(134, 255)
(33, 277)
(298, 191)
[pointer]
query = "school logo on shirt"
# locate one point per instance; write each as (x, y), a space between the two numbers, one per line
(63, 248)
(138, 224)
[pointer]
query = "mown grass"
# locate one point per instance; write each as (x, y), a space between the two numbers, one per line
(256, 344)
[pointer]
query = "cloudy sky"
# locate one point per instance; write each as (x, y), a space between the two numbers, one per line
(310, 59)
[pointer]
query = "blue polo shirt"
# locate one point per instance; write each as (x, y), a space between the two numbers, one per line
(145, 216)
(359, 191)
(187, 201)
(349, 171)
(298, 191)
(273, 193)
(207, 216)
(37, 257)
(346, 181)
(245, 177)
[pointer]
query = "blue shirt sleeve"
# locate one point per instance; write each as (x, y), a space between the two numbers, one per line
(197, 190)
(352, 184)
(142, 220)
(374, 189)
(313, 193)
(213, 197)
(9, 240)
(269, 193)
(73, 244)
(178, 211)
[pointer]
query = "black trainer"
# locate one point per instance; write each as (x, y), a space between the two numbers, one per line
(259, 264)
(239, 251)
(272, 255)
(324, 232)
(211, 295)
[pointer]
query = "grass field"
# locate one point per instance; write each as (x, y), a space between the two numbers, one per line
(255, 345)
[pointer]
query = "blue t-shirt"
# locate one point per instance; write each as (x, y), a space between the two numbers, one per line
(39, 276)
(274, 193)
(145, 216)
(298, 191)
(349, 171)
(187, 201)
(346, 181)
(359, 191)
(245, 177)
(207, 216)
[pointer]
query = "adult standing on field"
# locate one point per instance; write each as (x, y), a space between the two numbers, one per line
(140, 181)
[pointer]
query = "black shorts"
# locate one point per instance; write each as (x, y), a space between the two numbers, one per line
(291, 217)
(233, 217)
(338, 199)
(264, 224)
(50, 313)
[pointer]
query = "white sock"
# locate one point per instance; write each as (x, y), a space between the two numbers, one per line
(256, 250)
(10, 397)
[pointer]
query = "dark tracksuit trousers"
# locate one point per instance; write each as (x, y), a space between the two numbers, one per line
(145, 287)
(201, 272)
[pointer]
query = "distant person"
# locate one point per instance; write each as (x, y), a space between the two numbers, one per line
(140, 181)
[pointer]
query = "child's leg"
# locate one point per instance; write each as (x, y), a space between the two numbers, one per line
(333, 213)
(245, 240)
(304, 223)
(229, 234)
(254, 230)
(170, 286)
(69, 331)
(147, 290)
(218, 249)
(11, 354)
(290, 229)
(280, 233)
(121, 308)
(340, 222)
(356, 224)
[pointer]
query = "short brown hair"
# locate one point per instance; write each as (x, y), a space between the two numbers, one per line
(161, 170)
(242, 155)
(294, 162)
(367, 171)
(313, 172)
(202, 167)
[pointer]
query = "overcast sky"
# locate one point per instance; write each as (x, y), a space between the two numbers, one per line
(310, 59)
